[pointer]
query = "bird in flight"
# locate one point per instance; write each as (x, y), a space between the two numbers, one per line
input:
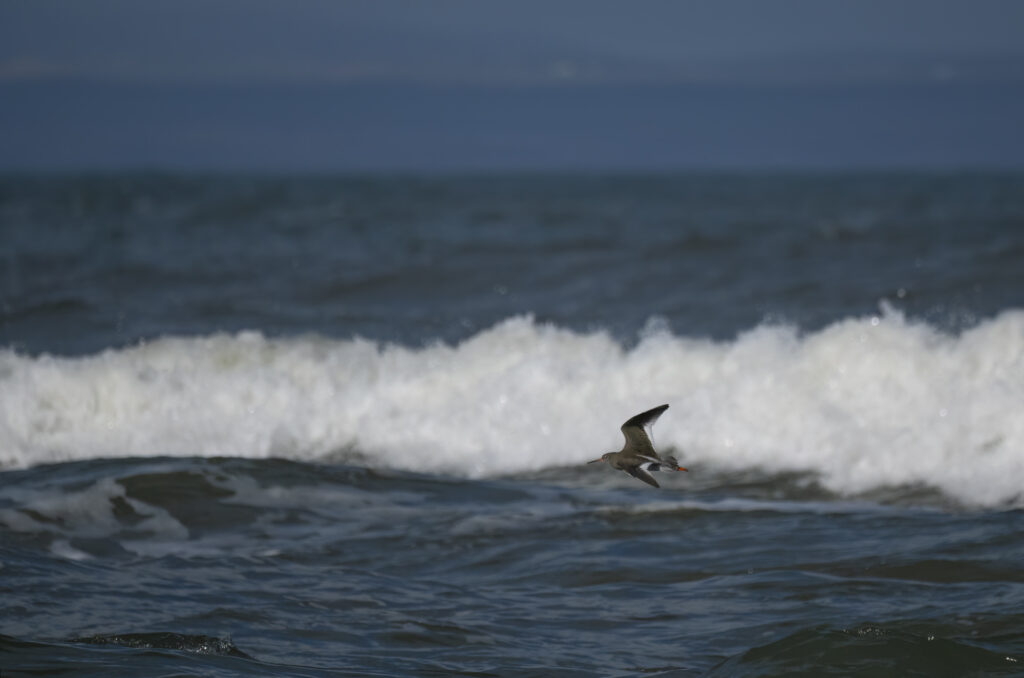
(637, 456)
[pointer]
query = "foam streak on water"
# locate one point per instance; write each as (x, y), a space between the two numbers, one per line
(864, 403)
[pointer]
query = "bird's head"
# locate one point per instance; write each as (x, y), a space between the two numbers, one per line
(604, 457)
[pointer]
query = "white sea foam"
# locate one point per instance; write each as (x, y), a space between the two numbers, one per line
(864, 403)
(85, 512)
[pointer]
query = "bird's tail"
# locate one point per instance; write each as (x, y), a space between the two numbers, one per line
(671, 464)
(664, 464)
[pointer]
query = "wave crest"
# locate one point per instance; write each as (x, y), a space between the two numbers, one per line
(864, 403)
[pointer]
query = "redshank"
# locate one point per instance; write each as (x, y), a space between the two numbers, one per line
(637, 456)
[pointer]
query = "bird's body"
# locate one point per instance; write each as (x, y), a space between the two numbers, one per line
(637, 456)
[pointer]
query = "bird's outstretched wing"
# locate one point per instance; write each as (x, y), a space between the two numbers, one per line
(637, 441)
(643, 475)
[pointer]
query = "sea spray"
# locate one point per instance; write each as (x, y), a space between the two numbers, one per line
(864, 403)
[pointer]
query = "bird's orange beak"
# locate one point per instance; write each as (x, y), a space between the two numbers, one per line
(595, 461)
(680, 468)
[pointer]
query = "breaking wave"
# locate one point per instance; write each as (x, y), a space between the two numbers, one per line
(864, 403)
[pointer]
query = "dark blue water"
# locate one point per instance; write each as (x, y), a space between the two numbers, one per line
(339, 425)
(128, 257)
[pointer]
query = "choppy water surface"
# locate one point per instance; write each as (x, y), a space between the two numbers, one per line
(338, 426)
(304, 569)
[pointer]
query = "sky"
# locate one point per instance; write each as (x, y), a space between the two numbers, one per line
(451, 84)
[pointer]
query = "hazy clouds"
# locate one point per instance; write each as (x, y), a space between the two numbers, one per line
(478, 84)
(529, 41)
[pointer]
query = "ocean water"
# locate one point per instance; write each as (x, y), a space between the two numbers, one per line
(326, 426)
